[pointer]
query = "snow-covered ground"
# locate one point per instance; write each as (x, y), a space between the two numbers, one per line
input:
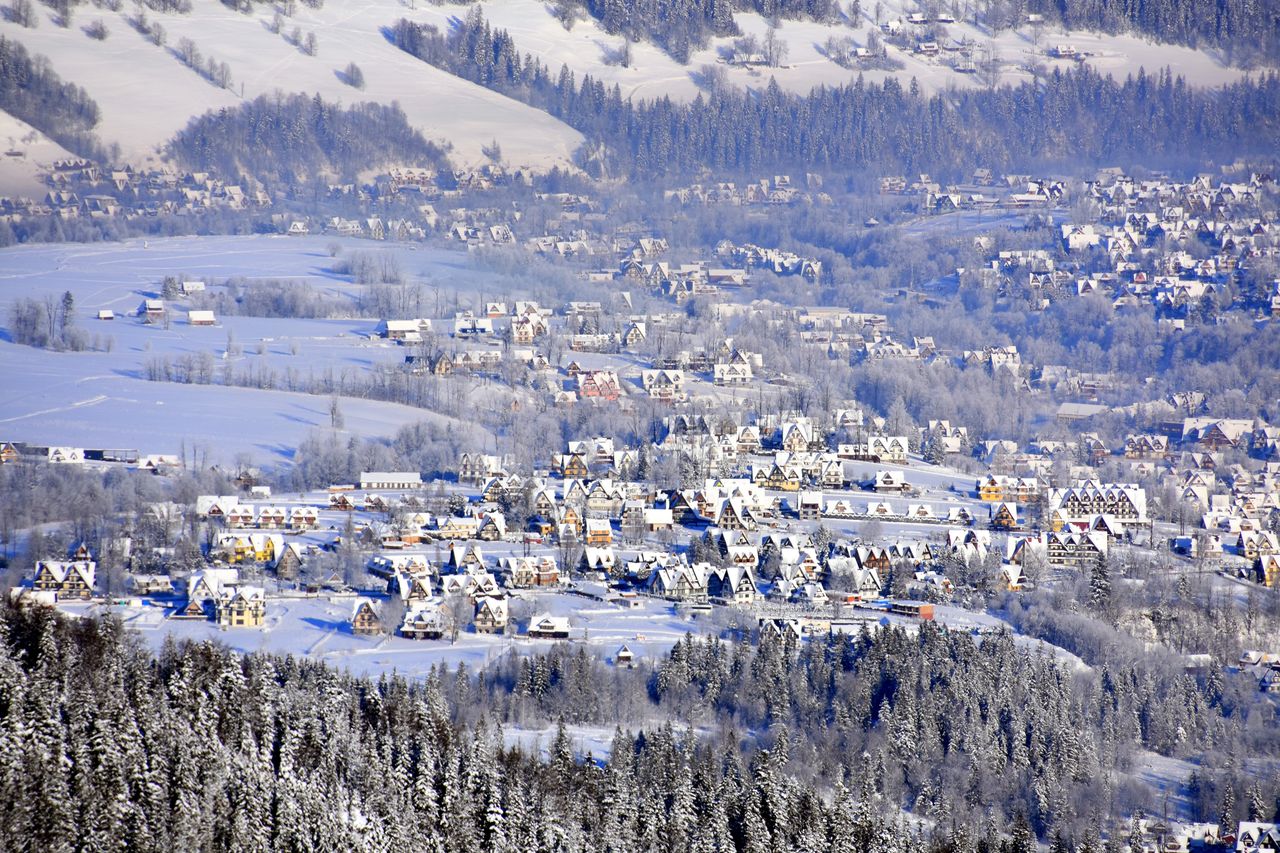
(596, 741)
(146, 93)
(101, 398)
(319, 628)
(24, 153)
(1167, 778)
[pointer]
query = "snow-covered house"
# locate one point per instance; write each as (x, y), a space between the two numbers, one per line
(69, 579)
(241, 606)
(492, 615)
(365, 618)
(544, 626)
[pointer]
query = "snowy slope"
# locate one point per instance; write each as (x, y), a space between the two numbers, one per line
(101, 398)
(24, 153)
(146, 94)
(50, 405)
(653, 74)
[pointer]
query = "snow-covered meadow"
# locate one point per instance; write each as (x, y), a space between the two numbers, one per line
(319, 628)
(102, 397)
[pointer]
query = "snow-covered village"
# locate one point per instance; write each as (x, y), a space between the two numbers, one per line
(706, 425)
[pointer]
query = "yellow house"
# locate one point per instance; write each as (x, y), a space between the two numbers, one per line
(236, 549)
(264, 548)
(599, 532)
(257, 547)
(784, 478)
(990, 489)
(242, 607)
(1004, 516)
(571, 518)
(1269, 570)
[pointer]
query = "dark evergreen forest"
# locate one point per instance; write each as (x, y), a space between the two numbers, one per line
(822, 746)
(679, 26)
(1246, 30)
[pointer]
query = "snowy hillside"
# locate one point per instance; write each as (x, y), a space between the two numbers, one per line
(146, 92)
(587, 49)
(100, 397)
(23, 150)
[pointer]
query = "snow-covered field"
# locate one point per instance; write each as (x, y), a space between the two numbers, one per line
(103, 398)
(319, 628)
(146, 93)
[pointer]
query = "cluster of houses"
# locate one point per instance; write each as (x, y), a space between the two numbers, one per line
(770, 191)
(12, 452)
(776, 261)
(80, 188)
(213, 592)
(1151, 835)
(589, 519)
(1233, 507)
(1178, 247)
(504, 334)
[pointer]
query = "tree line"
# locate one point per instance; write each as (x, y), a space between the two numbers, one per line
(199, 748)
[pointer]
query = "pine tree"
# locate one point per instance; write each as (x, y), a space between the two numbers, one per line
(1227, 817)
(66, 316)
(1257, 806)
(1021, 838)
(1100, 585)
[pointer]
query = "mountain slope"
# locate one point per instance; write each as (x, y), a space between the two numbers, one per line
(23, 151)
(587, 49)
(146, 93)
